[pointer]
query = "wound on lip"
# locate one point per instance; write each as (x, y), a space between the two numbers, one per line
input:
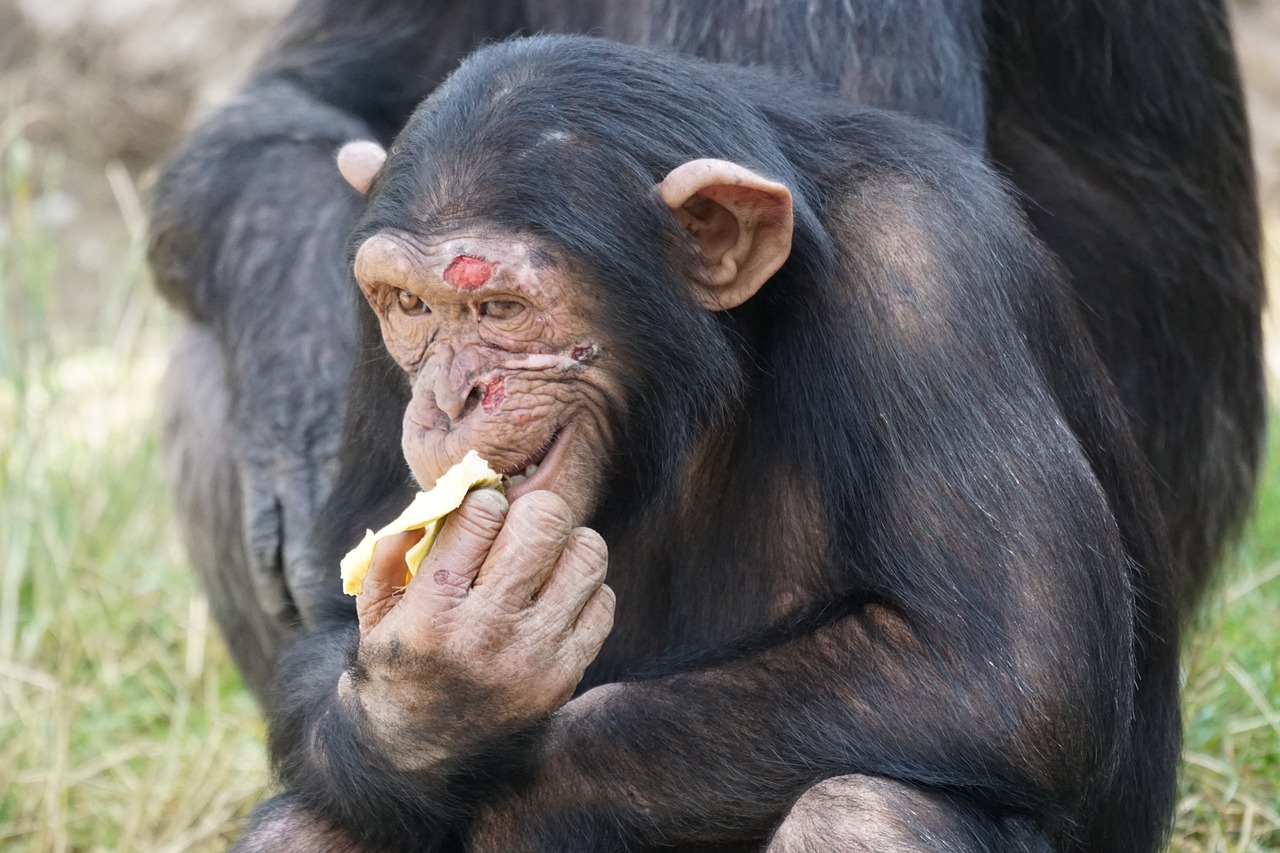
(468, 273)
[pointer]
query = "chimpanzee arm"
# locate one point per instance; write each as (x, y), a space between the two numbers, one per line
(264, 288)
(998, 665)
(494, 662)
(249, 226)
(320, 747)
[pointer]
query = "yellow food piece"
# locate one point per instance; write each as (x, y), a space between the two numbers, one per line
(427, 512)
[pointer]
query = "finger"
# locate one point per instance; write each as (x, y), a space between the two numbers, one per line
(525, 552)
(577, 575)
(451, 566)
(263, 532)
(591, 630)
(384, 582)
(595, 620)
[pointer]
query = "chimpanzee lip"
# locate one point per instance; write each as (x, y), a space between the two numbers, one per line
(547, 459)
(534, 458)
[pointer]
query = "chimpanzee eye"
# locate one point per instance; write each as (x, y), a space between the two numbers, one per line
(500, 310)
(411, 303)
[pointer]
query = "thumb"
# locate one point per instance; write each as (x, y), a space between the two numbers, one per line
(384, 581)
(450, 567)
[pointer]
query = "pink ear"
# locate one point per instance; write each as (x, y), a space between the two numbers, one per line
(741, 221)
(360, 162)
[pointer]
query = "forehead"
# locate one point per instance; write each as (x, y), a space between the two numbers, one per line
(465, 263)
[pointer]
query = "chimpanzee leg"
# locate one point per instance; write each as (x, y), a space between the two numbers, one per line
(877, 815)
(281, 823)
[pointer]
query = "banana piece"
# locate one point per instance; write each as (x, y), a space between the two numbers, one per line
(427, 512)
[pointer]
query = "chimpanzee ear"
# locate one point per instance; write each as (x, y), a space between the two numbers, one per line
(360, 162)
(741, 221)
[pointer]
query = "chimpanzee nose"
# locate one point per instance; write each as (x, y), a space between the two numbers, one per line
(456, 399)
(457, 384)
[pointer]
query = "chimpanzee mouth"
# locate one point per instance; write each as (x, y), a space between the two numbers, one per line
(537, 470)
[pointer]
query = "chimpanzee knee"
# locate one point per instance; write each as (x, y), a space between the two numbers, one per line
(877, 815)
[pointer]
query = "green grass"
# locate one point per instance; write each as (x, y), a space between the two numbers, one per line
(123, 726)
(1231, 777)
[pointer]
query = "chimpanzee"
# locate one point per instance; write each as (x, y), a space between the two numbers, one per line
(882, 545)
(1123, 130)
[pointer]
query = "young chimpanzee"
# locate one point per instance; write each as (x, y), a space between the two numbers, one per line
(882, 545)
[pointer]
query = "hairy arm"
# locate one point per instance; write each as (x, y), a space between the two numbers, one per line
(394, 729)
(248, 234)
(230, 250)
(995, 678)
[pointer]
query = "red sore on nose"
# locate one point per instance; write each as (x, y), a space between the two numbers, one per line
(467, 272)
(494, 393)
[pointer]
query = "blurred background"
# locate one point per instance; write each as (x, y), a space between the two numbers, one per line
(123, 725)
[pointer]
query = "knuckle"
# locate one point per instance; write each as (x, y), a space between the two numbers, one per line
(448, 582)
(581, 649)
(544, 625)
(500, 603)
(475, 528)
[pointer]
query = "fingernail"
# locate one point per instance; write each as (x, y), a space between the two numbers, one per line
(488, 499)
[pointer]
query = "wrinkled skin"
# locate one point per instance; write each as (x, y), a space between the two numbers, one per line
(509, 607)
(501, 356)
(494, 631)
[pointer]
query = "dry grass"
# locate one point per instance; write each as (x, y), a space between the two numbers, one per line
(122, 724)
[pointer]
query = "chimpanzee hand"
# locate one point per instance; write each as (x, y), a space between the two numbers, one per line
(494, 631)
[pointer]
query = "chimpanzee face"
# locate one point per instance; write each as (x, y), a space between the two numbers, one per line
(498, 341)
(501, 337)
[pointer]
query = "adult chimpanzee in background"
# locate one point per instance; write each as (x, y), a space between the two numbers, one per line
(1123, 127)
(875, 522)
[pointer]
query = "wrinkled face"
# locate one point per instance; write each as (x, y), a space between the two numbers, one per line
(500, 348)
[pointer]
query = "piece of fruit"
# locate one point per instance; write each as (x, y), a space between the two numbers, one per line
(427, 512)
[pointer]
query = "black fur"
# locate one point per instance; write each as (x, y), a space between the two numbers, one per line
(937, 472)
(972, 564)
